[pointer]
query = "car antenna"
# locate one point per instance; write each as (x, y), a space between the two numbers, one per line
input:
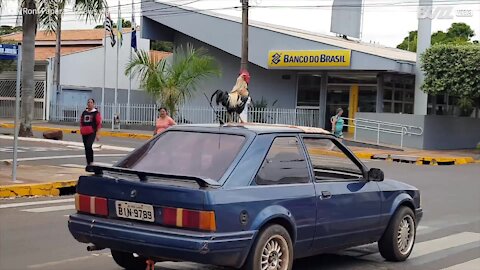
(216, 113)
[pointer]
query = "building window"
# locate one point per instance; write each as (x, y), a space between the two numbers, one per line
(309, 90)
(398, 95)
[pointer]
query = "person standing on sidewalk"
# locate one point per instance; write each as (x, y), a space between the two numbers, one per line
(90, 124)
(163, 121)
(337, 123)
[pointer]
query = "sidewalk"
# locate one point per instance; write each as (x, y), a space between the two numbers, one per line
(45, 126)
(38, 180)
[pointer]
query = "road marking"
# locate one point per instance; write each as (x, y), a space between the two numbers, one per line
(10, 205)
(62, 157)
(83, 166)
(450, 241)
(49, 209)
(432, 246)
(105, 147)
(422, 228)
(73, 166)
(50, 264)
(470, 265)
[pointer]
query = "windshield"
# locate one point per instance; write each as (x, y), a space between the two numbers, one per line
(204, 155)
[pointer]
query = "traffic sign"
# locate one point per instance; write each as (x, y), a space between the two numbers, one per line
(8, 52)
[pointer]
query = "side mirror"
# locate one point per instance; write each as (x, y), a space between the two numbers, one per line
(375, 174)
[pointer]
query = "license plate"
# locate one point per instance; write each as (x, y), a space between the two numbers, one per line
(138, 211)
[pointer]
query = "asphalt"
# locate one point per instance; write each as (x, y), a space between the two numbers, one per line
(40, 240)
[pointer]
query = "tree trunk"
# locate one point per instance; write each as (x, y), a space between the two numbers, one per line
(56, 65)
(28, 65)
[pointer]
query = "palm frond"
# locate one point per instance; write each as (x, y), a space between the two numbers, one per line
(91, 10)
(172, 82)
(50, 11)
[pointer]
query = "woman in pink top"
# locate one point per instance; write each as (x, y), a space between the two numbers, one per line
(163, 121)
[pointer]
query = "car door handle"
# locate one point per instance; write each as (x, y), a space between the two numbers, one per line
(325, 195)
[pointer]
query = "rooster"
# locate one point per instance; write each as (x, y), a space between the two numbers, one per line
(234, 101)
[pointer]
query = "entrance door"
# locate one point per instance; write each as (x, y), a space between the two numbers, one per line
(338, 96)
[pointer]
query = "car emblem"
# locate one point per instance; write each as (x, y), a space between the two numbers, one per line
(133, 193)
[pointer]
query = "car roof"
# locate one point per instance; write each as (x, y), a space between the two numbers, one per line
(256, 128)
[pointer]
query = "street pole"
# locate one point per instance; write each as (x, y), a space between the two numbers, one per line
(423, 43)
(244, 60)
(116, 72)
(17, 114)
(130, 59)
(104, 65)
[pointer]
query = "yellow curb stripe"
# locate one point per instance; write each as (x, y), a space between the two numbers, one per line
(74, 130)
(43, 189)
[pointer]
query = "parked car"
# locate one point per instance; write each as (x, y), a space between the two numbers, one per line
(242, 195)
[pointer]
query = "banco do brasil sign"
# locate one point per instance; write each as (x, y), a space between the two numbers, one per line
(320, 58)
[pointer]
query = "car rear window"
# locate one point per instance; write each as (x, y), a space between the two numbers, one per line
(204, 155)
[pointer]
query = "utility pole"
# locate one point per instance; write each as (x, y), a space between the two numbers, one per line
(423, 43)
(244, 61)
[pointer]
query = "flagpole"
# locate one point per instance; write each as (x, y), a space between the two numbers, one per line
(116, 72)
(104, 64)
(130, 75)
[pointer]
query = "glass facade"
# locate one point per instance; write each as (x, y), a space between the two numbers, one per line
(399, 94)
(308, 94)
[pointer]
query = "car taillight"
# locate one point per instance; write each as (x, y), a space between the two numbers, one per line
(91, 204)
(185, 218)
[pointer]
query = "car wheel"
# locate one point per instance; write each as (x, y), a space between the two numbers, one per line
(272, 250)
(397, 241)
(128, 260)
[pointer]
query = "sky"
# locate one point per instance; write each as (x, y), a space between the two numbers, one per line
(386, 22)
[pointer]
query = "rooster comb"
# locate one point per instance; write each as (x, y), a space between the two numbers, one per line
(244, 73)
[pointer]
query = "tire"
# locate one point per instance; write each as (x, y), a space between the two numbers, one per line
(271, 241)
(398, 239)
(128, 260)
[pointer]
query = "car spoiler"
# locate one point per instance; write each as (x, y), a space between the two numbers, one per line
(143, 176)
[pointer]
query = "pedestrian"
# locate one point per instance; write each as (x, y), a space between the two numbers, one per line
(90, 125)
(337, 123)
(163, 121)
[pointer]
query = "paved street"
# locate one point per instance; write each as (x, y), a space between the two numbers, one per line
(34, 234)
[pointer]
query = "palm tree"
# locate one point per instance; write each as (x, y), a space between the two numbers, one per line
(173, 81)
(48, 14)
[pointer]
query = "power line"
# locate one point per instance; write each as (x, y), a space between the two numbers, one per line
(165, 12)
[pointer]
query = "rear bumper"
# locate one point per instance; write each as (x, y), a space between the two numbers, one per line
(226, 249)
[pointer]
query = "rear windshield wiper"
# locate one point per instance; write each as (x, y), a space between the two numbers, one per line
(143, 176)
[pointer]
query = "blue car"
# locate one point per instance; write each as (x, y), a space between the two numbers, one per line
(244, 196)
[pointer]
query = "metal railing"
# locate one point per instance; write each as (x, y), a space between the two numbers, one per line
(146, 114)
(383, 127)
(7, 108)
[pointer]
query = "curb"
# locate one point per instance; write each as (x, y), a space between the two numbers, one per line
(425, 160)
(42, 189)
(73, 130)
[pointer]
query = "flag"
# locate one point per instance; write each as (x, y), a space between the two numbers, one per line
(134, 31)
(109, 28)
(119, 28)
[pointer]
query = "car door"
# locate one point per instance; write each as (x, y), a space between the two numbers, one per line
(348, 206)
(284, 180)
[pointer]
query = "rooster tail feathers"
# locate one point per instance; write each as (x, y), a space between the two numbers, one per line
(218, 93)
